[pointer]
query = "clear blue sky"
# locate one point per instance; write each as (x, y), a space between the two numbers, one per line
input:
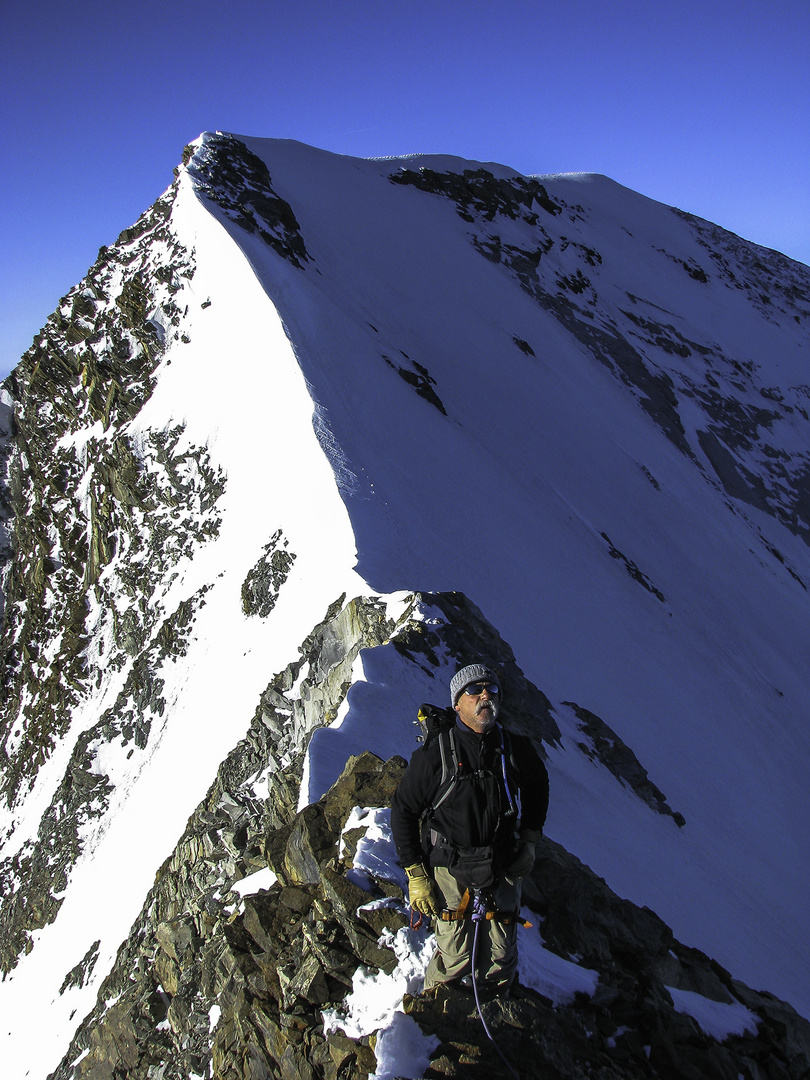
(703, 104)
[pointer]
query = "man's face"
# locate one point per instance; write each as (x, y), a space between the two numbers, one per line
(478, 710)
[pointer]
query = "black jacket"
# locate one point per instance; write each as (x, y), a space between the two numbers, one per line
(475, 813)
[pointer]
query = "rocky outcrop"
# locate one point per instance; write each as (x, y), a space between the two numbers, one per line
(257, 926)
(238, 991)
(229, 175)
(83, 489)
(186, 929)
(601, 742)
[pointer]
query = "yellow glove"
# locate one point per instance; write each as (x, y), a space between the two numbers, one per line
(422, 894)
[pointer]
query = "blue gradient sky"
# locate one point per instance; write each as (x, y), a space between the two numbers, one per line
(703, 105)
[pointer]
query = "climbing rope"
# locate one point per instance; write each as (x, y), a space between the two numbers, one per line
(478, 916)
(473, 906)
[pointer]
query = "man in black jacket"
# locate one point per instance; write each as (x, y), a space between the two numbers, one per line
(465, 819)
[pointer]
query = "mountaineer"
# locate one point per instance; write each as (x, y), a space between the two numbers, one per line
(465, 818)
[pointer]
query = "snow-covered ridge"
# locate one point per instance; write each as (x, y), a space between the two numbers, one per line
(302, 377)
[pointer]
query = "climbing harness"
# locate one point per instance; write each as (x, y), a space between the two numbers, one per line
(479, 914)
(473, 906)
(465, 911)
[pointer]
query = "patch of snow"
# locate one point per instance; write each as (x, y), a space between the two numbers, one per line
(715, 1018)
(253, 883)
(375, 855)
(549, 974)
(214, 1014)
(376, 997)
(403, 1051)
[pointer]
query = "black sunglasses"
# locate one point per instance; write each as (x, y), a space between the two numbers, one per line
(474, 689)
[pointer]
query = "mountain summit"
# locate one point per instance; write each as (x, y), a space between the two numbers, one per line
(311, 433)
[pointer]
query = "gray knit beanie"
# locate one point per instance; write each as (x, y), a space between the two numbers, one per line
(470, 674)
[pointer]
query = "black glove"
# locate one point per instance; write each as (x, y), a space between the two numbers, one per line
(524, 855)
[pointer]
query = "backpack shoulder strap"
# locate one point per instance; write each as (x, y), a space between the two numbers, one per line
(509, 761)
(449, 757)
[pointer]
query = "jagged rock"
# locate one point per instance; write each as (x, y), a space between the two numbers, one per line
(310, 841)
(79, 974)
(177, 938)
(271, 963)
(583, 916)
(365, 781)
(345, 899)
(260, 589)
(222, 166)
(616, 756)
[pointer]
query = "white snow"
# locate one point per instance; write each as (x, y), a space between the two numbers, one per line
(506, 499)
(375, 855)
(375, 1001)
(253, 883)
(376, 996)
(402, 1050)
(550, 975)
(716, 1018)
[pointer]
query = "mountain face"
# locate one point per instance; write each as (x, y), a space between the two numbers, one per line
(311, 433)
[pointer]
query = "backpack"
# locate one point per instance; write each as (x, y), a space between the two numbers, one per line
(472, 867)
(438, 723)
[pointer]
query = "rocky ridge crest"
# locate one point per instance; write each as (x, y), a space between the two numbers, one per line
(211, 982)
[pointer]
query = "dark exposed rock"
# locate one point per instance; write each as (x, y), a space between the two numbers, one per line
(228, 174)
(421, 380)
(477, 190)
(524, 346)
(79, 974)
(605, 745)
(738, 481)
(308, 845)
(288, 951)
(632, 569)
(261, 587)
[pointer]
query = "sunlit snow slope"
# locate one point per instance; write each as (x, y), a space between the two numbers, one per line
(580, 408)
(548, 480)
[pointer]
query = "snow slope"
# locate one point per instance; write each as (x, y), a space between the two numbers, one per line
(506, 499)
(522, 490)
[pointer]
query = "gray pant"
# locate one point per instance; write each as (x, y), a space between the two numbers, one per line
(497, 953)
